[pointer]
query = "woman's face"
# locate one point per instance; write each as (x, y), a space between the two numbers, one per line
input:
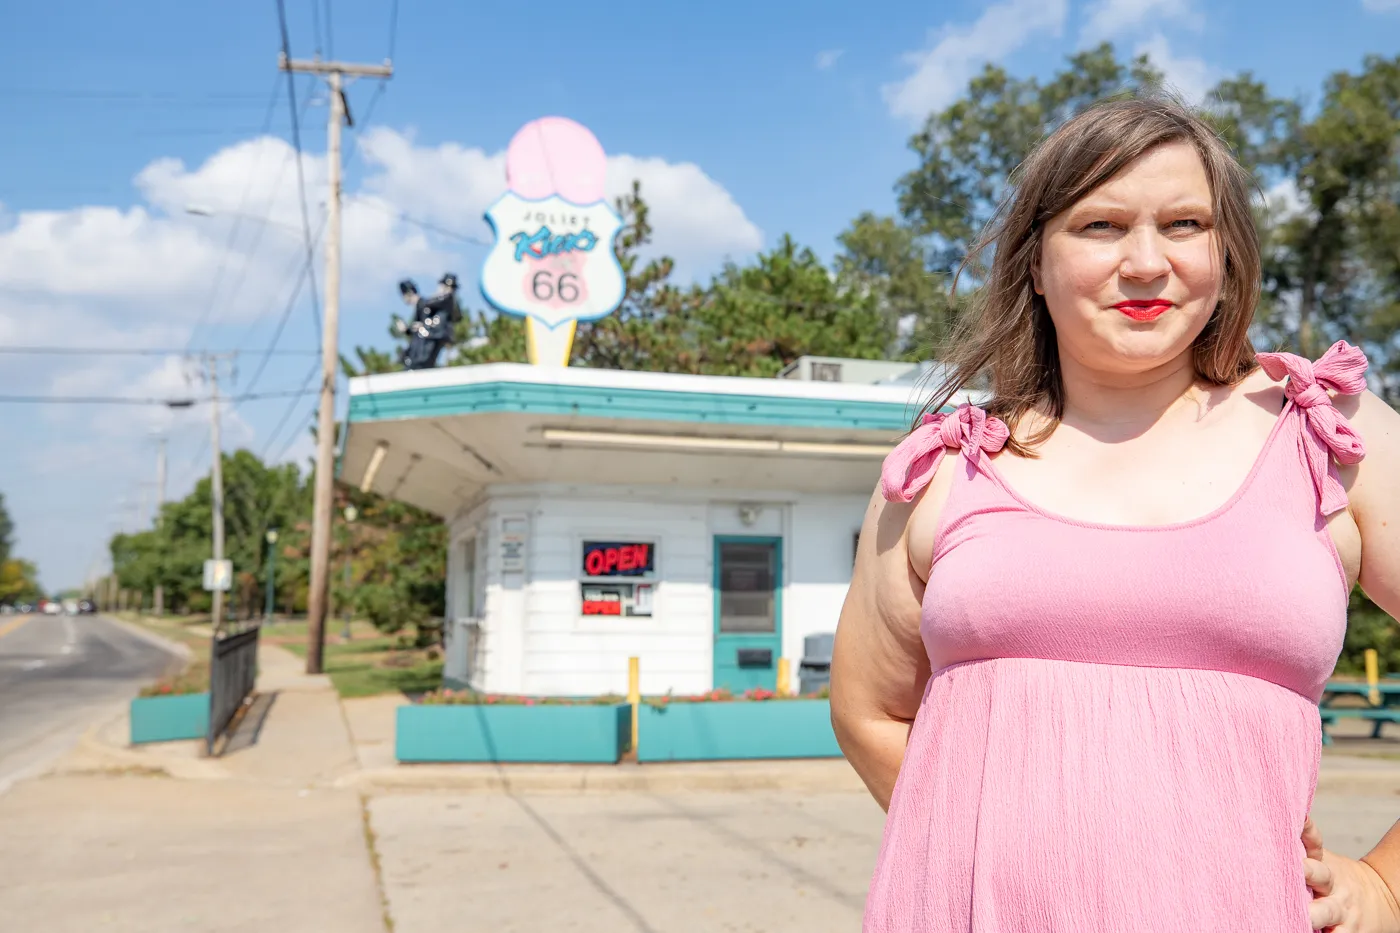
(1131, 273)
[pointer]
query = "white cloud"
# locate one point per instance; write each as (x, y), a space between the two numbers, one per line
(695, 219)
(1190, 77)
(1381, 6)
(827, 58)
(955, 53)
(1108, 18)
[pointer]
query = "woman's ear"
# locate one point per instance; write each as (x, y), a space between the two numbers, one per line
(1035, 275)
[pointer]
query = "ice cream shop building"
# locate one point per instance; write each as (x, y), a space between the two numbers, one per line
(703, 524)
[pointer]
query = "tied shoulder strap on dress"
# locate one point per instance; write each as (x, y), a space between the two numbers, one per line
(911, 465)
(1325, 430)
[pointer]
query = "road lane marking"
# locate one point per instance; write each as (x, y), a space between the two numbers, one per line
(69, 635)
(8, 627)
(67, 649)
(31, 665)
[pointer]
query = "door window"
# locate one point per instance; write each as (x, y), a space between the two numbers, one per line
(747, 596)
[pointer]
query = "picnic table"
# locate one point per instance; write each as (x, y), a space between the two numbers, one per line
(1387, 710)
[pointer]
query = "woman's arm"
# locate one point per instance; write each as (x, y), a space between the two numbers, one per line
(879, 667)
(1365, 895)
(1375, 498)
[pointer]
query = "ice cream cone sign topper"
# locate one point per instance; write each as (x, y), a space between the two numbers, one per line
(553, 261)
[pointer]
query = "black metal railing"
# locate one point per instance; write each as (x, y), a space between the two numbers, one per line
(233, 669)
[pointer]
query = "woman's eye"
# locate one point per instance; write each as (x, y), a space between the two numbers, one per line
(1185, 224)
(1099, 225)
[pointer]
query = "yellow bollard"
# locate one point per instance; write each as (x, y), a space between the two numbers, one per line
(782, 677)
(1373, 676)
(634, 695)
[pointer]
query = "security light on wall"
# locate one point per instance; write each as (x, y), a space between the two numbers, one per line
(749, 512)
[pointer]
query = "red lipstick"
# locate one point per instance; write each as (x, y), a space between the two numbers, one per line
(1144, 310)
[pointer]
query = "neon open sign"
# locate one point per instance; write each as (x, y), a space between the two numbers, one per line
(618, 559)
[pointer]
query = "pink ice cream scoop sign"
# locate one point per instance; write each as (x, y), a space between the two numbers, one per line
(553, 261)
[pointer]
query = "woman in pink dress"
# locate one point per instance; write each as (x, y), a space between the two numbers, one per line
(1091, 620)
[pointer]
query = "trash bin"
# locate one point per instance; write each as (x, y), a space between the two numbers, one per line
(815, 670)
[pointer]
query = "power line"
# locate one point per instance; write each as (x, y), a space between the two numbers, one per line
(271, 438)
(393, 27)
(132, 400)
(301, 174)
(229, 99)
(330, 30)
(315, 26)
(237, 223)
(426, 225)
(136, 351)
(260, 229)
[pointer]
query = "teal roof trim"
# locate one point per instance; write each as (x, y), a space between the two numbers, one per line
(629, 404)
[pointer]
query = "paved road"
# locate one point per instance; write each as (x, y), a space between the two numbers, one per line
(57, 675)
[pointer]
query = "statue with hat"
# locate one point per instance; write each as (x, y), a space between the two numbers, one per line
(434, 319)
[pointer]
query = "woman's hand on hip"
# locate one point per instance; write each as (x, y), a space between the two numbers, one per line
(1348, 895)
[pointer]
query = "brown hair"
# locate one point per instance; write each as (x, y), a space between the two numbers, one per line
(1007, 335)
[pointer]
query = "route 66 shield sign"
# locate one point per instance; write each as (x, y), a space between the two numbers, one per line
(553, 261)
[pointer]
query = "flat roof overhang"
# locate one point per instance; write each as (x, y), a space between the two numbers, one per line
(437, 438)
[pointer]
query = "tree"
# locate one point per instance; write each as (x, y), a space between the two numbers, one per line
(19, 582)
(7, 531)
(256, 499)
(1335, 262)
(758, 317)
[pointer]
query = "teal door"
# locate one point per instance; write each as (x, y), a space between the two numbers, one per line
(748, 612)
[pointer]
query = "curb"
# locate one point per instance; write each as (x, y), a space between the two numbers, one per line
(172, 647)
(831, 776)
(95, 755)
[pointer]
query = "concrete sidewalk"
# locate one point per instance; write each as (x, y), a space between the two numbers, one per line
(142, 854)
(294, 734)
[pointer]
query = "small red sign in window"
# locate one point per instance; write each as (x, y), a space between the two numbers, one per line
(602, 607)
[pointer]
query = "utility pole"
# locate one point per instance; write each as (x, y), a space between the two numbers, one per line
(318, 597)
(216, 481)
(158, 597)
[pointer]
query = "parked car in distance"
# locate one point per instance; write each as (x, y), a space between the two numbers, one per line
(50, 608)
(86, 607)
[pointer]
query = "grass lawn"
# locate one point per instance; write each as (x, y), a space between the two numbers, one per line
(190, 631)
(369, 664)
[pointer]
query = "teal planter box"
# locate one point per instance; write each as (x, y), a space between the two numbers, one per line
(735, 730)
(561, 734)
(168, 719)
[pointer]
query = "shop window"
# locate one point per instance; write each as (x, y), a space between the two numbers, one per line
(618, 578)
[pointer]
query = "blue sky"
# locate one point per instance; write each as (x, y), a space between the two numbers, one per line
(744, 120)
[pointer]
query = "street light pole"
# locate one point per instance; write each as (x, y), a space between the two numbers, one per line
(271, 574)
(351, 513)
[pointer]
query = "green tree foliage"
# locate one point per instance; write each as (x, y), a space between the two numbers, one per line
(398, 563)
(19, 579)
(7, 531)
(256, 498)
(19, 582)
